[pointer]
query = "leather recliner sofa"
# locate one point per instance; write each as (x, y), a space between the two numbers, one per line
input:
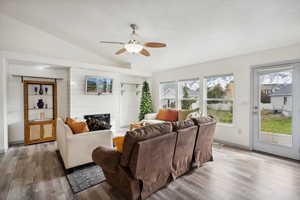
(155, 155)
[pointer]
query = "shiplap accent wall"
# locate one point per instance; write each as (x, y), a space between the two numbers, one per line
(83, 104)
(15, 103)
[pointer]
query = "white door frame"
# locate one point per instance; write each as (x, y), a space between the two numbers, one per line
(293, 152)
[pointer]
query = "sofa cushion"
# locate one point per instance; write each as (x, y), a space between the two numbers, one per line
(203, 120)
(203, 145)
(169, 115)
(77, 127)
(183, 155)
(182, 114)
(151, 162)
(140, 134)
(182, 124)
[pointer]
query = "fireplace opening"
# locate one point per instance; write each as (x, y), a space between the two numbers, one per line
(98, 122)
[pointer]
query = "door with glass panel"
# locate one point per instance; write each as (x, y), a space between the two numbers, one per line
(275, 111)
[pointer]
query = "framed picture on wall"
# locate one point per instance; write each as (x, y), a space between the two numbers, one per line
(99, 85)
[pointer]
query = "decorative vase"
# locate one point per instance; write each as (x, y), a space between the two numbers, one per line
(40, 104)
(41, 92)
(35, 90)
(46, 90)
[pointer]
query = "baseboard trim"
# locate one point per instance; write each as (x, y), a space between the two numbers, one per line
(2, 151)
(16, 142)
(232, 144)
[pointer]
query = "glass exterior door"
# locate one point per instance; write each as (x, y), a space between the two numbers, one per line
(276, 107)
(275, 120)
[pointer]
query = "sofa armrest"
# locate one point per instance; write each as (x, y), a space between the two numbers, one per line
(103, 138)
(150, 116)
(106, 158)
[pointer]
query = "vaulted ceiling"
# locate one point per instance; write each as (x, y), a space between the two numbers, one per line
(195, 30)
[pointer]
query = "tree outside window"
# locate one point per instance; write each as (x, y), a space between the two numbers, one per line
(220, 97)
(189, 91)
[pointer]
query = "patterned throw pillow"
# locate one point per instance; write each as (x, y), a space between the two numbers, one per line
(77, 127)
(193, 115)
(97, 124)
(182, 114)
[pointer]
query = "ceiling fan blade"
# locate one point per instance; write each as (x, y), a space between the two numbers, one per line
(144, 52)
(120, 51)
(108, 42)
(155, 44)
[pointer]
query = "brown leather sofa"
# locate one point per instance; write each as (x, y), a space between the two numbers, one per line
(155, 155)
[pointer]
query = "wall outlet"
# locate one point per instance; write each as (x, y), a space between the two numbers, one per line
(240, 131)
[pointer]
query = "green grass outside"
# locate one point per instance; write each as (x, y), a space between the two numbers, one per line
(272, 123)
(220, 115)
(276, 123)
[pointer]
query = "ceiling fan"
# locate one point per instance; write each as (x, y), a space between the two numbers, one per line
(135, 45)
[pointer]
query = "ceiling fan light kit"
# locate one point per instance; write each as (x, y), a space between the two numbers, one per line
(135, 45)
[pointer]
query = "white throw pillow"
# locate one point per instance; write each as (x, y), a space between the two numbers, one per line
(193, 115)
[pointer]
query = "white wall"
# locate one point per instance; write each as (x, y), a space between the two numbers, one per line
(129, 103)
(82, 104)
(15, 102)
(3, 107)
(16, 36)
(19, 41)
(240, 66)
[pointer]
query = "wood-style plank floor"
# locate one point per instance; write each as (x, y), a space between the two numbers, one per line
(34, 172)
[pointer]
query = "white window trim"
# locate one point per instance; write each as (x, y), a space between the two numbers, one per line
(176, 95)
(177, 98)
(199, 95)
(205, 99)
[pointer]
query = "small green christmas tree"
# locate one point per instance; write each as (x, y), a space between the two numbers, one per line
(146, 101)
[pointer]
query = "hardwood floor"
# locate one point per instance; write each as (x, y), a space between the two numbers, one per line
(34, 172)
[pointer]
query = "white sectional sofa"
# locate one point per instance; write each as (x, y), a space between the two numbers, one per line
(76, 149)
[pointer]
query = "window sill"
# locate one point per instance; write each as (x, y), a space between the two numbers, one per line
(225, 125)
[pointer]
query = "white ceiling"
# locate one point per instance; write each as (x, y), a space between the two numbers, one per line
(195, 30)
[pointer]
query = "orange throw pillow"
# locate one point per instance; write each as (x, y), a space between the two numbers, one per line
(172, 115)
(118, 142)
(69, 121)
(167, 115)
(162, 114)
(77, 127)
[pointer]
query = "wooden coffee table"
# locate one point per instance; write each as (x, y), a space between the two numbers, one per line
(137, 125)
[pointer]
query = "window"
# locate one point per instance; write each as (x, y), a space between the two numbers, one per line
(220, 97)
(168, 95)
(188, 92)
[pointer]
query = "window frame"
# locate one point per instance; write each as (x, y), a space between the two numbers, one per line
(177, 98)
(176, 94)
(205, 99)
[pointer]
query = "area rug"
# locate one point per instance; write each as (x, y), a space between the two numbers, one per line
(83, 177)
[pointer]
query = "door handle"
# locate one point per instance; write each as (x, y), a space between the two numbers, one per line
(255, 109)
